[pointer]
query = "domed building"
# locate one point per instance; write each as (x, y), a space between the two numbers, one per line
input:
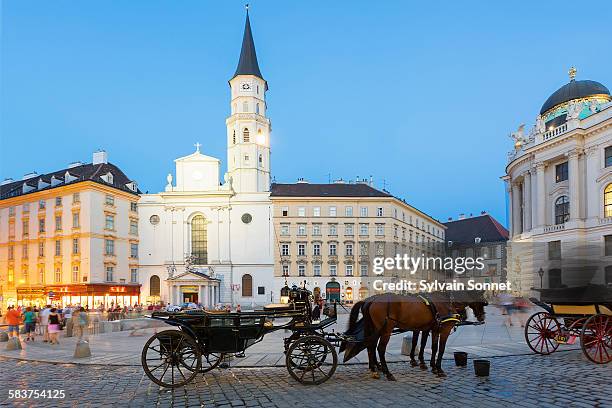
(559, 183)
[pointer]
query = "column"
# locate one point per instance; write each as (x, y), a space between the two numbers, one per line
(594, 201)
(574, 185)
(206, 299)
(516, 209)
(534, 197)
(541, 200)
(510, 212)
(201, 295)
(527, 201)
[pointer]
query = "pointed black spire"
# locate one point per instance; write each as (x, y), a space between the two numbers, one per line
(248, 58)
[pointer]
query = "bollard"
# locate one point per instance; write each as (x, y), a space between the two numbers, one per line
(407, 344)
(82, 349)
(13, 344)
(3, 337)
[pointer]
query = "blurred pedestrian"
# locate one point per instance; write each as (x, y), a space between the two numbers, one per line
(29, 320)
(54, 326)
(81, 319)
(13, 319)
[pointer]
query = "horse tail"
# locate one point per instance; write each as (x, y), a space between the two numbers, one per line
(354, 315)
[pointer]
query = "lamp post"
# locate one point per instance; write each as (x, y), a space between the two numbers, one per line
(541, 275)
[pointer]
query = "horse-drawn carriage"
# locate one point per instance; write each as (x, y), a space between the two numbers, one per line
(172, 358)
(583, 313)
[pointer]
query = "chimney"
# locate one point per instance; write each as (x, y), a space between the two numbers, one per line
(450, 218)
(100, 157)
(339, 181)
(462, 216)
(483, 213)
(29, 175)
(371, 181)
(6, 181)
(301, 180)
(75, 164)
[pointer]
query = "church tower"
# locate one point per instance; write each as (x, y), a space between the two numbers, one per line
(248, 128)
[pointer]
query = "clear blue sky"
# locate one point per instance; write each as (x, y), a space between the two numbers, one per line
(422, 94)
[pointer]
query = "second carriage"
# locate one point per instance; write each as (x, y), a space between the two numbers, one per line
(580, 313)
(173, 358)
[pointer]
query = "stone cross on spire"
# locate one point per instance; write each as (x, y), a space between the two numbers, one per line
(197, 146)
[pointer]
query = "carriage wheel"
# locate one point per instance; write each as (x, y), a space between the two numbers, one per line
(540, 332)
(596, 339)
(311, 360)
(171, 358)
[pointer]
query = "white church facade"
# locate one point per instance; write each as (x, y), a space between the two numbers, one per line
(211, 242)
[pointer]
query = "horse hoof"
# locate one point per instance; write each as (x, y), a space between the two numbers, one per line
(390, 377)
(434, 370)
(441, 374)
(423, 366)
(413, 363)
(375, 376)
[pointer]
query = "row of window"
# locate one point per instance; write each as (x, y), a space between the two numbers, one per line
(41, 249)
(363, 212)
(562, 206)
(109, 200)
(58, 275)
(332, 269)
(109, 224)
(109, 249)
(349, 230)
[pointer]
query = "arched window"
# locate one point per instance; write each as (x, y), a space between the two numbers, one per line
(561, 210)
(245, 135)
(154, 286)
(234, 137)
(247, 285)
(608, 201)
(245, 107)
(199, 240)
(257, 109)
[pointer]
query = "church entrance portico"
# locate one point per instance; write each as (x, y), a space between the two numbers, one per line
(194, 287)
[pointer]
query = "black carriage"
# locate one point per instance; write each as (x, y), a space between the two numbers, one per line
(583, 313)
(172, 358)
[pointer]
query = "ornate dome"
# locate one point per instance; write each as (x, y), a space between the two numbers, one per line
(574, 90)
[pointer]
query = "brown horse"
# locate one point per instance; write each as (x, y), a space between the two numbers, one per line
(435, 312)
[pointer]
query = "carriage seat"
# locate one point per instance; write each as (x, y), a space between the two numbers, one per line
(278, 306)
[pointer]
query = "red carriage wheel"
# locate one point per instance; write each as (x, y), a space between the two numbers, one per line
(540, 332)
(596, 338)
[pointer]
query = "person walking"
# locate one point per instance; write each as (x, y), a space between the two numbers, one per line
(43, 322)
(13, 319)
(29, 320)
(81, 320)
(54, 326)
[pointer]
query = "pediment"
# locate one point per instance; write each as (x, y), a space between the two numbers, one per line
(190, 276)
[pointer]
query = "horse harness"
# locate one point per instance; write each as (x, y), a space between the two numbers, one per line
(452, 317)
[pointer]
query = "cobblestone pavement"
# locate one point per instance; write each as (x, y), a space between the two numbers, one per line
(563, 379)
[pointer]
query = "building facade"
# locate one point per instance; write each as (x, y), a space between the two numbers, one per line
(210, 242)
(478, 237)
(70, 237)
(329, 234)
(559, 179)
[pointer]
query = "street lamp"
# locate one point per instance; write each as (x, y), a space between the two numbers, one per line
(541, 275)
